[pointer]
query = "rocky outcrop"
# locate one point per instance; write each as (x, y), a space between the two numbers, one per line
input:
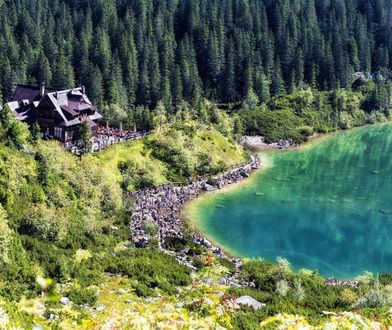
(249, 301)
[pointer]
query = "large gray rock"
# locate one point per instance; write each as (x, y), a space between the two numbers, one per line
(180, 305)
(246, 300)
(100, 308)
(65, 300)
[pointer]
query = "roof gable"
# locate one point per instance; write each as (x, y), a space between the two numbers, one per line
(26, 92)
(67, 105)
(46, 102)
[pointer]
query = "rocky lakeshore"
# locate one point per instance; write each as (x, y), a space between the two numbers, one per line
(162, 206)
(259, 142)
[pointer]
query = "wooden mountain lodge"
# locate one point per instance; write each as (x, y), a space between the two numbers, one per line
(58, 113)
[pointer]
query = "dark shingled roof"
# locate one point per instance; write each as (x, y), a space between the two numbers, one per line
(26, 92)
(70, 104)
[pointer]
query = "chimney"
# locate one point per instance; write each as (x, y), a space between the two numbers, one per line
(42, 89)
(83, 89)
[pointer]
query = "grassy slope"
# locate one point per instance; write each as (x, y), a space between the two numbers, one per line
(130, 151)
(218, 147)
(205, 140)
(55, 205)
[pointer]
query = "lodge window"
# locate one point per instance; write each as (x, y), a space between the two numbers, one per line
(58, 132)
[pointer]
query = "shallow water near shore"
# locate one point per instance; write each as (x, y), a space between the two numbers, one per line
(324, 206)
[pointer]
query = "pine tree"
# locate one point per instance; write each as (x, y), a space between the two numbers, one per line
(94, 85)
(277, 85)
(229, 89)
(176, 85)
(35, 132)
(251, 101)
(84, 135)
(63, 75)
(44, 72)
(116, 91)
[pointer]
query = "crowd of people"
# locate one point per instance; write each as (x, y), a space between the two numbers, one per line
(162, 205)
(335, 282)
(259, 142)
(284, 144)
(106, 136)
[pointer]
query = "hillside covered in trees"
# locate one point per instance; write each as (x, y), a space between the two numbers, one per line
(198, 74)
(68, 260)
(133, 53)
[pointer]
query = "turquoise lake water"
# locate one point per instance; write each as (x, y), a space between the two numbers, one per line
(327, 206)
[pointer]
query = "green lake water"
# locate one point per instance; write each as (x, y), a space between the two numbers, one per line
(326, 206)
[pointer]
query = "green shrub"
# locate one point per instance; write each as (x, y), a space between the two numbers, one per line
(178, 244)
(258, 272)
(227, 264)
(153, 269)
(170, 152)
(16, 276)
(385, 279)
(142, 290)
(52, 259)
(198, 263)
(88, 272)
(82, 296)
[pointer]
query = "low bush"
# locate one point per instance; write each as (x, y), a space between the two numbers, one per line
(178, 244)
(142, 290)
(82, 296)
(198, 263)
(385, 279)
(88, 272)
(151, 269)
(227, 264)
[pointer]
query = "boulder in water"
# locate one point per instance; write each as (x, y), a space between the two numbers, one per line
(386, 212)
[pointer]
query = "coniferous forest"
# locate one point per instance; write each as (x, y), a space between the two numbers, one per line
(79, 247)
(137, 52)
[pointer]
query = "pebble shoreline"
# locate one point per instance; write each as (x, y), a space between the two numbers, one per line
(162, 205)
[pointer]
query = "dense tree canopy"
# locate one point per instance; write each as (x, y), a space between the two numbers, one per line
(138, 52)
